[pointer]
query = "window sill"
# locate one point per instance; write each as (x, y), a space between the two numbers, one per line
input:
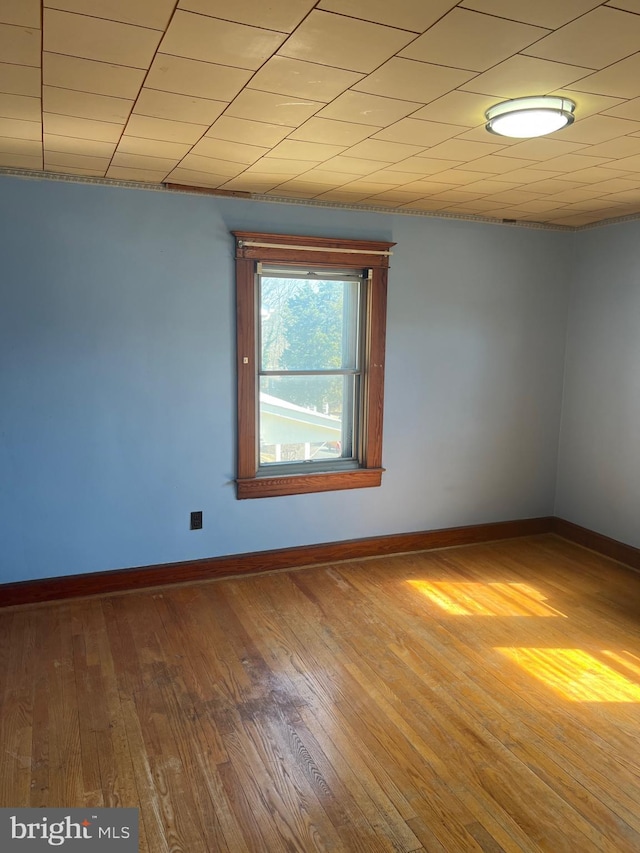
(300, 484)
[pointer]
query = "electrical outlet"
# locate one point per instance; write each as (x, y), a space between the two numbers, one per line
(196, 520)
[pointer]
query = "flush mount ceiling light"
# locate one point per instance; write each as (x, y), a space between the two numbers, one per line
(526, 117)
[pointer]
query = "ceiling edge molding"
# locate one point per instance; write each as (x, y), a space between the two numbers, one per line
(310, 202)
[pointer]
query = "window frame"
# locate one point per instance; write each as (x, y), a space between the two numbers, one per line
(257, 247)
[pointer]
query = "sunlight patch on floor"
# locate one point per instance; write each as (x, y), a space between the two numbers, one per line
(485, 599)
(577, 675)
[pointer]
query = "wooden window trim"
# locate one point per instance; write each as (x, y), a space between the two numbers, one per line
(294, 249)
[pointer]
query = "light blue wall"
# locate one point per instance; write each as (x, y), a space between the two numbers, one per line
(599, 464)
(117, 378)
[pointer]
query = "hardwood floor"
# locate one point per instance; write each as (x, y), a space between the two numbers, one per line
(484, 698)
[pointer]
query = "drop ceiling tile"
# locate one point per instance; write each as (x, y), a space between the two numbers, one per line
(391, 196)
(491, 185)
(250, 132)
(20, 161)
(159, 128)
(391, 152)
(281, 15)
(498, 165)
(193, 77)
(321, 179)
(432, 204)
(284, 191)
(382, 176)
(256, 183)
(20, 45)
(542, 13)
(460, 149)
(236, 152)
(354, 165)
(85, 75)
(291, 149)
(481, 134)
(595, 175)
(626, 146)
(141, 161)
(85, 105)
(626, 109)
(479, 205)
(588, 104)
(73, 145)
(77, 161)
(542, 149)
(20, 106)
(539, 205)
(414, 15)
(408, 80)
(424, 165)
(427, 186)
(575, 220)
(342, 195)
(274, 109)
(627, 164)
(195, 179)
(154, 14)
(599, 128)
(285, 76)
(153, 147)
(220, 42)
(414, 132)
(147, 176)
(366, 185)
(21, 13)
(460, 177)
(210, 165)
(70, 170)
(615, 185)
(628, 5)
(528, 175)
(25, 147)
(332, 132)
(178, 107)
(20, 80)
(366, 109)
(553, 186)
(454, 195)
(620, 80)
(595, 40)
(299, 185)
(514, 196)
(626, 196)
(569, 196)
(458, 107)
(279, 166)
(399, 178)
(573, 162)
(98, 39)
(465, 39)
(19, 129)
(525, 75)
(343, 42)
(101, 131)
(328, 177)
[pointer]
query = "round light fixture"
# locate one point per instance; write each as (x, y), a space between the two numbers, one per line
(526, 117)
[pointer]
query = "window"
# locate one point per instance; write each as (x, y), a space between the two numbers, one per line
(310, 335)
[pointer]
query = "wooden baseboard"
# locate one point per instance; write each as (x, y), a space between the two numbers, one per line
(597, 542)
(120, 580)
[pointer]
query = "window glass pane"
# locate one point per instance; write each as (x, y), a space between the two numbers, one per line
(308, 324)
(306, 418)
